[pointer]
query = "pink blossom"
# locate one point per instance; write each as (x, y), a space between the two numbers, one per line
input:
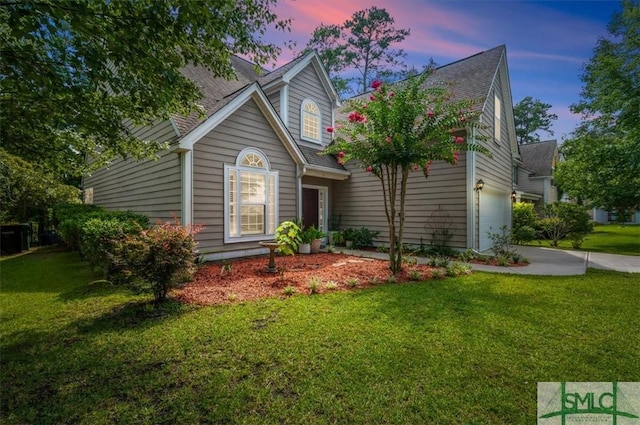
(456, 155)
(329, 129)
(388, 139)
(341, 154)
(392, 94)
(415, 167)
(431, 114)
(369, 169)
(356, 116)
(340, 161)
(375, 84)
(459, 140)
(372, 98)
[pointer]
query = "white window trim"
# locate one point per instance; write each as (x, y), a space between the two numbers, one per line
(497, 119)
(240, 168)
(302, 112)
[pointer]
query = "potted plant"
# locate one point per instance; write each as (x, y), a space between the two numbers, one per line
(334, 226)
(304, 247)
(316, 239)
(338, 238)
(348, 236)
(288, 237)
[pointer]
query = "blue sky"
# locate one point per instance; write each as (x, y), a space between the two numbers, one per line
(548, 42)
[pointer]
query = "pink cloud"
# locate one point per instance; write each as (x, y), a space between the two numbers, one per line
(523, 54)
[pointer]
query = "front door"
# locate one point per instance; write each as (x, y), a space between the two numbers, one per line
(310, 207)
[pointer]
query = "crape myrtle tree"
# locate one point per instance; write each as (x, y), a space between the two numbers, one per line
(73, 71)
(398, 130)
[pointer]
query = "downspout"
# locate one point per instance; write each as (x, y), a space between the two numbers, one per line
(186, 161)
(300, 172)
(471, 193)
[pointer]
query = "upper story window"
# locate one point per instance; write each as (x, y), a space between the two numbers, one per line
(515, 174)
(251, 198)
(497, 118)
(310, 121)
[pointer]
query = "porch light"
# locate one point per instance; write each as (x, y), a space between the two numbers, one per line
(479, 184)
(513, 196)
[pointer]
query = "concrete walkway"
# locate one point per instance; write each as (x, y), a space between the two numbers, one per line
(545, 261)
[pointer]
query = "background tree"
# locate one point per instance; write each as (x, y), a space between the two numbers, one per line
(532, 115)
(398, 131)
(326, 40)
(28, 193)
(610, 96)
(362, 44)
(602, 160)
(601, 169)
(73, 71)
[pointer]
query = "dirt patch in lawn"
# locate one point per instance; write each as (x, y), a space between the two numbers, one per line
(248, 279)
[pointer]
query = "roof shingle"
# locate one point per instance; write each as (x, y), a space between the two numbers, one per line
(539, 157)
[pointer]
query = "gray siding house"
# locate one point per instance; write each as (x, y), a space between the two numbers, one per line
(533, 173)
(253, 161)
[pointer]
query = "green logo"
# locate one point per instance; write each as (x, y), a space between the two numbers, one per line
(616, 403)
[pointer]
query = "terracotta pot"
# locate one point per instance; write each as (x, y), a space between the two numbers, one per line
(315, 246)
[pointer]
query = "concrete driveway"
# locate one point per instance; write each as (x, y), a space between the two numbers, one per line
(557, 262)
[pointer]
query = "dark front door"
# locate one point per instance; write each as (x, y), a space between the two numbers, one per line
(310, 207)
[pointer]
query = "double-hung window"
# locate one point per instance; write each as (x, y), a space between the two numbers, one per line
(251, 198)
(310, 121)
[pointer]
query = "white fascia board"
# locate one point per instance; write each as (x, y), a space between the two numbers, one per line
(218, 117)
(278, 126)
(311, 58)
(328, 173)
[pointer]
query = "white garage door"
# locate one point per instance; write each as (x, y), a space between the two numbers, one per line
(494, 213)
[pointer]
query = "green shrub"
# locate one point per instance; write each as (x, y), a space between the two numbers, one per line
(97, 239)
(523, 223)
(164, 257)
(288, 235)
(362, 237)
(564, 219)
(71, 219)
(501, 243)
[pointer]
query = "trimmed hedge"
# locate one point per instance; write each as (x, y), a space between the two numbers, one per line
(126, 250)
(91, 230)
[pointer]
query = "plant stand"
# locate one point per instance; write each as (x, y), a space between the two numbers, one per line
(271, 267)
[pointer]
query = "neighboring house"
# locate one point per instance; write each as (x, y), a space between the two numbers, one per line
(533, 173)
(253, 161)
(606, 217)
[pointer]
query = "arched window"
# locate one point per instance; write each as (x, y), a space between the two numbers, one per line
(251, 197)
(310, 118)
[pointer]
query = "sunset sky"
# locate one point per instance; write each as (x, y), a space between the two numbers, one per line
(547, 41)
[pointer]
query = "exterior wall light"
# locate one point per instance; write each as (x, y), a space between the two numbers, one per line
(479, 184)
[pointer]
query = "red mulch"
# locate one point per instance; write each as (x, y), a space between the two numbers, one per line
(249, 279)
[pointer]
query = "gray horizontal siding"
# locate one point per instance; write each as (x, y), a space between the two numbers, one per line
(307, 85)
(247, 127)
(150, 187)
(360, 201)
(496, 171)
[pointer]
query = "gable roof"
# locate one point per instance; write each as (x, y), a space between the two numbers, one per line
(218, 92)
(472, 77)
(539, 157)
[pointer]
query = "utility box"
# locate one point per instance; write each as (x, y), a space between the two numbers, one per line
(15, 238)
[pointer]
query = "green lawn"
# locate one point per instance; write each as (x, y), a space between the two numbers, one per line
(454, 351)
(611, 238)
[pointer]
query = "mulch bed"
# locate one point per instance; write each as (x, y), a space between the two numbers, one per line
(248, 278)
